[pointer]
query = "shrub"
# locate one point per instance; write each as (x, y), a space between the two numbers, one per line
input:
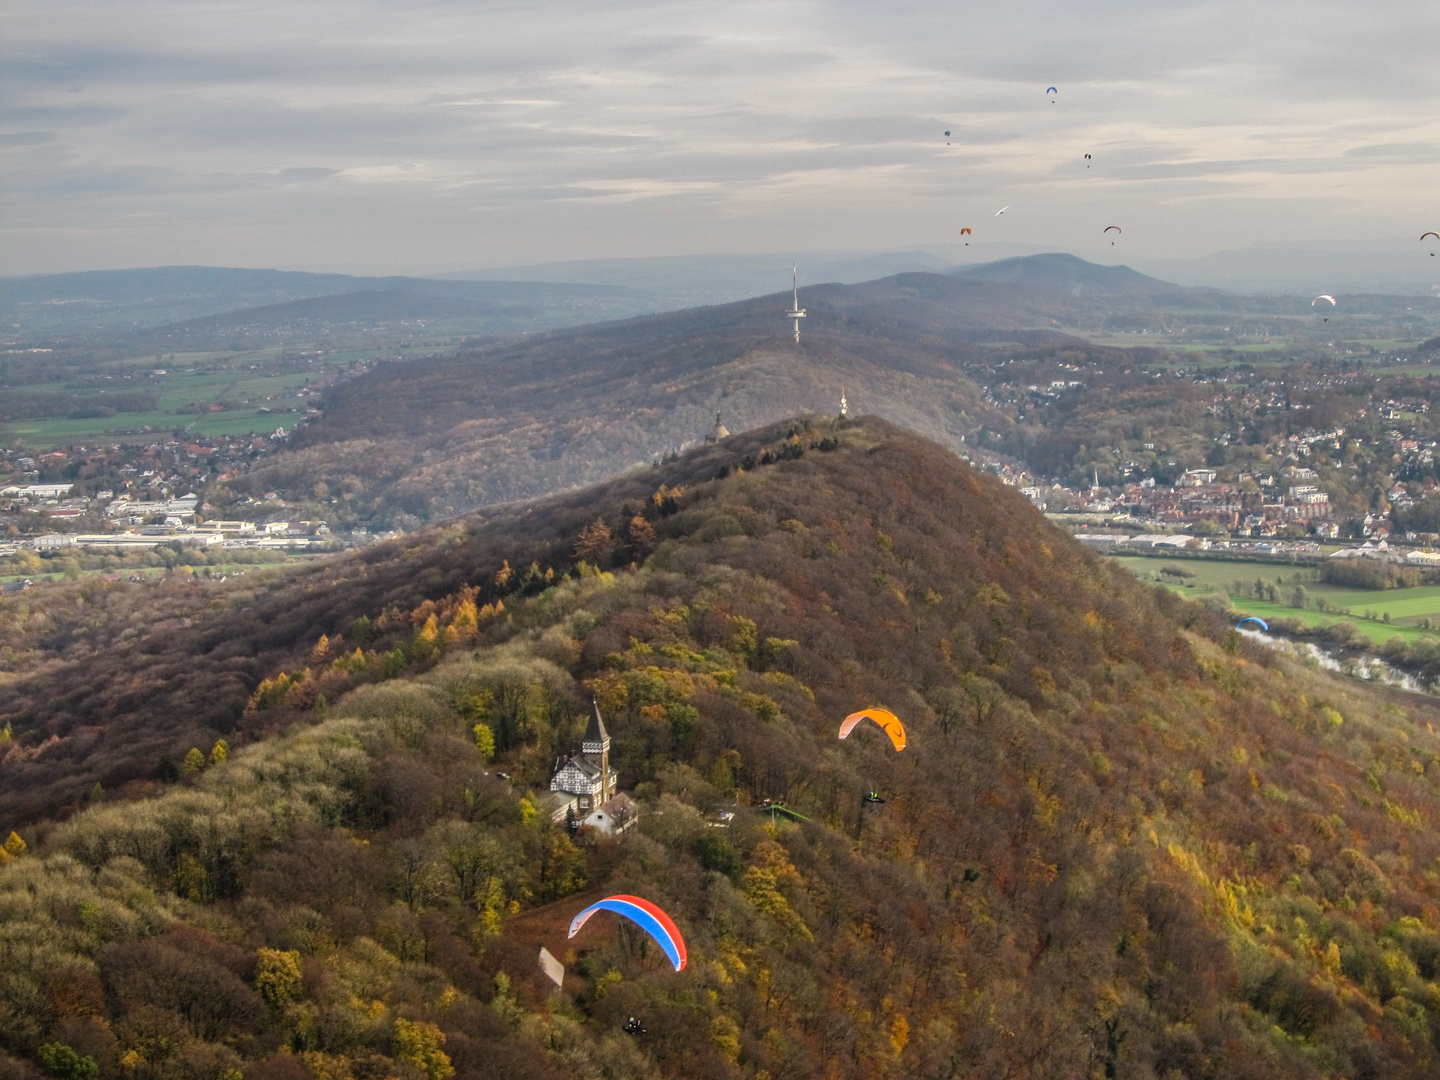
(65, 1064)
(277, 976)
(419, 1043)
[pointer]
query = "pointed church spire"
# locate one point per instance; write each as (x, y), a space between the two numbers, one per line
(597, 739)
(596, 747)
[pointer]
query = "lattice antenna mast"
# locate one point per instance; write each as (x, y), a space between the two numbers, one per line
(796, 312)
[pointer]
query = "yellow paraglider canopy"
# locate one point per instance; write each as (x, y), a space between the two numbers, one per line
(884, 717)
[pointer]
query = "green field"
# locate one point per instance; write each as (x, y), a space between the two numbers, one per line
(228, 569)
(43, 434)
(1406, 607)
(191, 384)
(1377, 632)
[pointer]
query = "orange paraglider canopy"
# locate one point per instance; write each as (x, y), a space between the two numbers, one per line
(884, 717)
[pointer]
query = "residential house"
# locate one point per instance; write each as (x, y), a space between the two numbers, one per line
(615, 815)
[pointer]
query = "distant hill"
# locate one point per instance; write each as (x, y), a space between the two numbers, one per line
(129, 300)
(541, 296)
(697, 280)
(412, 442)
(1078, 278)
(1121, 840)
(489, 308)
(365, 307)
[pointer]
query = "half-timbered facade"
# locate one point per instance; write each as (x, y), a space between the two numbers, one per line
(588, 776)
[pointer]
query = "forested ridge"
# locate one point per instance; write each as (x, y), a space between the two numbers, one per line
(1121, 842)
(414, 442)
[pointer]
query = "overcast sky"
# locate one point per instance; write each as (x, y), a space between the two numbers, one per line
(430, 136)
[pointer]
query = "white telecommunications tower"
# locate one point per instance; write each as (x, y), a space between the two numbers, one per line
(796, 312)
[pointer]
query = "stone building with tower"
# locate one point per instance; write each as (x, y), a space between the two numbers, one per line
(585, 789)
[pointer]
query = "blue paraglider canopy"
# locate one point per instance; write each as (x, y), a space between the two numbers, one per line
(1256, 620)
(650, 918)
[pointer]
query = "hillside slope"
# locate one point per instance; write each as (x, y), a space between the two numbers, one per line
(1121, 841)
(413, 442)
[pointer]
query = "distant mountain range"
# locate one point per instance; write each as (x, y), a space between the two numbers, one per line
(482, 308)
(191, 300)
(690, 281)
(1395, 265)
(545, 296)
(196, 304)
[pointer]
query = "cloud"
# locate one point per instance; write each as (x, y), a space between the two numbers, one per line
(313, 172)
(314, 135)
(27, 138)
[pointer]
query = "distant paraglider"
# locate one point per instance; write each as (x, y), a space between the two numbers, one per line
(1324, 296)
(1052, 90)
(965, 232)
(645, 915)
(1087, 160)
(1118, 230)
(1002, 209)
(1256, 620)
(1437, 240)
(887, 720)
(947, 138)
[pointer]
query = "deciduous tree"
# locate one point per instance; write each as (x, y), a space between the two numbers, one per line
(594, 542)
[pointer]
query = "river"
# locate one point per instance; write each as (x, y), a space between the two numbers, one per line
(1368, 668)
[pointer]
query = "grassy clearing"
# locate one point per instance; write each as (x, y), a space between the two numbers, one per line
(1216, 573)
(123, 427)
(1377, 632)
(1406, 607)
(190, 384)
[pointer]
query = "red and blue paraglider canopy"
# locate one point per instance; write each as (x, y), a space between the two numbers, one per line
(648, 917)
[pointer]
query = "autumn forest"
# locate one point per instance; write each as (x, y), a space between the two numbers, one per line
(294, 827)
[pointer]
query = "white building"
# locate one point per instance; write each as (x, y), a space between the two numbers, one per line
(182, 508)
(55, 541)
(588, 776)
(615, 815)
(36, 491)
(236, 527)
